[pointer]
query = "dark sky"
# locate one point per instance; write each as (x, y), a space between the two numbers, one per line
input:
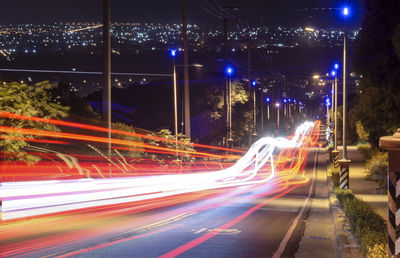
(266, 12)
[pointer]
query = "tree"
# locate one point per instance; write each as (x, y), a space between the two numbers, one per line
(166, 134)
(29, 100)
(377, 59)
(241, 116)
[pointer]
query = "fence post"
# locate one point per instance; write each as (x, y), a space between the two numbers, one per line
(392, 144)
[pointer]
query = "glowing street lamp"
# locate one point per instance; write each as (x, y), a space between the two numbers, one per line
(277, 105)
(344, 162)
(229, 73)
(268, 100)
(173, 55)
(254, 84)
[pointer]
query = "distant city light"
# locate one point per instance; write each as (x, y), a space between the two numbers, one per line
(277, 104)
(309, 29)
(315, 76)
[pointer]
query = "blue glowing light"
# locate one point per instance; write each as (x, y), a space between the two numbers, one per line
(333, 73)
(346, 11)
(284, 100)
(290, 100)
(172, 52)
(254, 83)
(328, 102)
(336, 66)
(267, 99)
(229, 70)
(294, 101)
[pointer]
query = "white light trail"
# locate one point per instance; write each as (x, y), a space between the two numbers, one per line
(25, 199)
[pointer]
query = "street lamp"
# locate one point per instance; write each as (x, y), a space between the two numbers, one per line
(185, 122)
(254, 84)
(229, 72)
(268, 99)
(335, 152)
(173, 54)
(277, 105)
(344, 162)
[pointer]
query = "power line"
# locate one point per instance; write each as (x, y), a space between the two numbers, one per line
(83, 72)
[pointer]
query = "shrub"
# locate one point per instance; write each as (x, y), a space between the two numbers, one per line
(131, 152)
(365, 149)
(184, 145)
(377, 167)
(363, 134)
(335, 175)
(374, 245)
(343, 195)
(367, 226)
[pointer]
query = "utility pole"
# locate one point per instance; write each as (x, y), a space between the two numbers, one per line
(107, 71)
(226, 81)
(186, 71)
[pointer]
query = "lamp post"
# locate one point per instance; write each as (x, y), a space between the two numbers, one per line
(277, 105)
(285, 112)
(229, 72)
(335, 152)
(267, 99)
(254, 84)
(173, 54)
(185, 127)
(344, 162)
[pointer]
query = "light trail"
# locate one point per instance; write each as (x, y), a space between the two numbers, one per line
(103, 129)
(86, 28)
(25, 199)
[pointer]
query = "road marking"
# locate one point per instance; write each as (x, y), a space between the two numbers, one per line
(223, 231)
(200, 230)
(288, 235)
(279, 209)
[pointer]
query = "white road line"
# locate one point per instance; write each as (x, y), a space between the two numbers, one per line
(279, 209)
(288, 235)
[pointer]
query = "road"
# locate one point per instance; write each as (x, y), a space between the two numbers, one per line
(259, 220)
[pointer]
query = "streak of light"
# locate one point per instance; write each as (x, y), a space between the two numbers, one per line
(24, 199)
(103, 129)
(86, 28)
(3, 53)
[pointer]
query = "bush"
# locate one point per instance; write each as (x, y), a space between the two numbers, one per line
(377, 167)
(185, 146)
(365, 149)
(135, 152)
(363, 135)
(367, 226)
(335, 175)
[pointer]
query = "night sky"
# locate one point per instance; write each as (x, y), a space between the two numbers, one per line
(265, 12)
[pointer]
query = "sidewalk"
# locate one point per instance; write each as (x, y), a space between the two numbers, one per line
(327, 233)
(319, 235)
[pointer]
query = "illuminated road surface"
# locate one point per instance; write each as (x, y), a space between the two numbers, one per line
(246, 221)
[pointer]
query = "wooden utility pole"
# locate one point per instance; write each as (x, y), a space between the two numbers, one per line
(106, 114)
(186, 71)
